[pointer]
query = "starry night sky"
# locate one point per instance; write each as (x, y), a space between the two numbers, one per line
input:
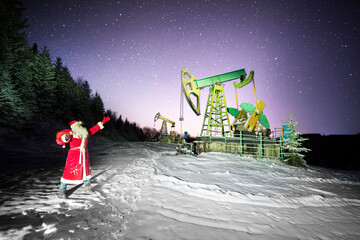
(305, 55)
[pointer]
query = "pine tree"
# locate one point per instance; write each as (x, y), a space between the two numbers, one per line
(126, 127)
(120, 126)
(15, 59)
(70, 92)
(110, 130)
(60, 93)
(64, 92)
(23, 82)
(83, 101)
(12, 41)
(10, 104)
(44, 83)
(293, 144)
(97, 107)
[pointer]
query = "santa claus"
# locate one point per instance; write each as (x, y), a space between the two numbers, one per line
(77, 167)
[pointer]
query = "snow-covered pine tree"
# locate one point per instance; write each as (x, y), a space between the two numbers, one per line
(15, 59)
(44, 83)
(293, 144)
(11, 107)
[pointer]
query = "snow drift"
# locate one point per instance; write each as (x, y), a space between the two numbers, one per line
(146, 191)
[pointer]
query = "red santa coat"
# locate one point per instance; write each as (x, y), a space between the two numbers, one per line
(77, 167)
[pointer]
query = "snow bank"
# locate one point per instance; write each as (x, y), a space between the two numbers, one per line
(146, 191)
(221, 196)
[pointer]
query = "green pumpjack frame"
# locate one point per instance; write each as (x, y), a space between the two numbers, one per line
(216, 118)
(221, 78)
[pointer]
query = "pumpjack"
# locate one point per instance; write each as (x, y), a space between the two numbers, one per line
(164, 131)
(216, 118)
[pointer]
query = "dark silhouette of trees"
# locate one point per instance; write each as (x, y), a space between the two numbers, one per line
(96, 107)
(120, 126)
(151, 134)
(125, 129)
(34, 89)
(14, 57)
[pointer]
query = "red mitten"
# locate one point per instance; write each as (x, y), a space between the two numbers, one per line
(105, 119)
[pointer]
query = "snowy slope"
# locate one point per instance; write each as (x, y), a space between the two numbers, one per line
(220, 196)
(146, 191)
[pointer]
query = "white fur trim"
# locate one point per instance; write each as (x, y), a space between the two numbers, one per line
(63, 138)
(75, 181)
(101, 125)
(74, 123)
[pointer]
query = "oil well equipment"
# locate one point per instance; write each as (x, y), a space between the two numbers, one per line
(164, 136)
(247, 134)
(216, 121)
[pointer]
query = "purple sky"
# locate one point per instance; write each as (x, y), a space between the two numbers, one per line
(305, 55)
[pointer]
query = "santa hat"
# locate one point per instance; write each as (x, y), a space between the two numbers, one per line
(73, 122)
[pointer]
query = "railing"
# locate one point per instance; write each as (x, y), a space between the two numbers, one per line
(278, 132)
(246, 143)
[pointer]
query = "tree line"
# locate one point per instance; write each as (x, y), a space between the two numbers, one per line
(33, 88)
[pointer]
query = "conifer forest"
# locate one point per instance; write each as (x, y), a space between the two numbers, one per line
(36, 89)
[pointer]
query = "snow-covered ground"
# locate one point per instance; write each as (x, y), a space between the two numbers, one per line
(146, 191)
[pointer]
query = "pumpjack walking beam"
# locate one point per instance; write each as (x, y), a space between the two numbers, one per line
(216, 118)
(163, 131)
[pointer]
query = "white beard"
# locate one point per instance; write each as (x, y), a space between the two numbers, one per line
(79, 130)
